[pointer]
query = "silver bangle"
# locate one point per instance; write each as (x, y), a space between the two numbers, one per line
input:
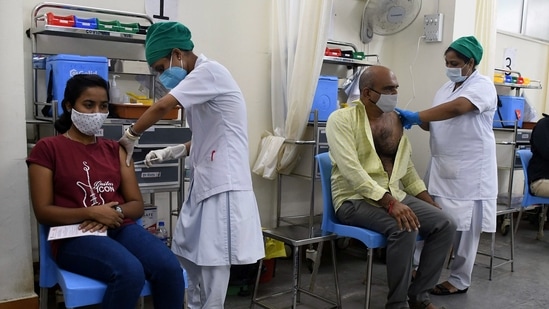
(132, 132)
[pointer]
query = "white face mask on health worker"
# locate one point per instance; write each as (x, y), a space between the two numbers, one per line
(88, 123)
(387, 102)
(454, 74)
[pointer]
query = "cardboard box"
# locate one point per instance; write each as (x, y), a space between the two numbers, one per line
(150, 218)
(135, 110)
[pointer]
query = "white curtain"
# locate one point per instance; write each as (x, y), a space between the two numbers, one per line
(485, 32)
(299, 34)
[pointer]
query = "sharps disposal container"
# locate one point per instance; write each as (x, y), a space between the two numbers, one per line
(510, 108)
(325, 99)
(61, 67)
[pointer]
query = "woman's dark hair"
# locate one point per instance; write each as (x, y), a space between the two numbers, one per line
(461, 56)
(76, 85)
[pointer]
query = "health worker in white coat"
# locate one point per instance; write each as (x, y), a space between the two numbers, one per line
(462, 175)
(219, 223)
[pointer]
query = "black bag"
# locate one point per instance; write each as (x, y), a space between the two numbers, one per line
(46, 110)
(243, 274)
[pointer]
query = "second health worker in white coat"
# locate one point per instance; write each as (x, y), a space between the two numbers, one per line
(219, 222)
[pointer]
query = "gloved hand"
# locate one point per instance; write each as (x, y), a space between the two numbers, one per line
(165, 154)
(128, 141)
(408, 118)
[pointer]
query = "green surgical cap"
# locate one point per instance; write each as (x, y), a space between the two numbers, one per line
(469, 47)
(163, 37)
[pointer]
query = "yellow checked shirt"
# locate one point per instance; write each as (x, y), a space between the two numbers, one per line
(357, 171)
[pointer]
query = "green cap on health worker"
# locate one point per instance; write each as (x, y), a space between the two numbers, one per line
(469, 47)
(162, 38)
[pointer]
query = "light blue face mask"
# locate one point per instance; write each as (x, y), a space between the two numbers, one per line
(454, 74)
(172, 76)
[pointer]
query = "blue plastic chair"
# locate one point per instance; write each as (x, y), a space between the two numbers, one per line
(529, 199)
(330, 223)
(77, 290)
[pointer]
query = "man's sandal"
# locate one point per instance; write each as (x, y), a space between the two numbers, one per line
(422, 304)
(441, 289)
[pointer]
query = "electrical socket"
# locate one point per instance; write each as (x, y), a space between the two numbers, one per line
(432, 27)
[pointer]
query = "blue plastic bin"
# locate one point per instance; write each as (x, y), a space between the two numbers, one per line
(511, 109)
(325, 99)
(85, 23)
(64, 66)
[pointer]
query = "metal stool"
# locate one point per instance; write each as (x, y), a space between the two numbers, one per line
(298, 236)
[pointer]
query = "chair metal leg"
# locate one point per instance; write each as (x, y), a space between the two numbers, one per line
(43, 298)
(541, 222)
(512, 245)
(336, 278)
(369, 262)
(318, 256)
(254, 295)
(296, 277)
(492, 252)
(450, 257)
(141, 302)
(518, 219)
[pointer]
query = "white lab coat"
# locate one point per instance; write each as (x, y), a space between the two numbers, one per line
(219, 222)
(463, 165)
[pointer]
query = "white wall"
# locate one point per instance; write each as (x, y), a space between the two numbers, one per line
(16, 280)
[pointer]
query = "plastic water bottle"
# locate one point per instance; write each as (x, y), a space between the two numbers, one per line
(162, 233)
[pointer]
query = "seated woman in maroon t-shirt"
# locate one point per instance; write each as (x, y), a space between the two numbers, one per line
(78, 178)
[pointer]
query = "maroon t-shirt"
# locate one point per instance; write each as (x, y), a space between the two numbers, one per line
(83, 175)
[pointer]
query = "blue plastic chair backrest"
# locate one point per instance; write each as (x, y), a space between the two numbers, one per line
(529, 199)
(48, 268)
(325, 168)
(330, 223)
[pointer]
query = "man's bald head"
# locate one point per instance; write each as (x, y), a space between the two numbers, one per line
(370, 74)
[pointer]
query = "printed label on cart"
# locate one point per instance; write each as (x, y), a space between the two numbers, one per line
(97, 32)
(151, 175)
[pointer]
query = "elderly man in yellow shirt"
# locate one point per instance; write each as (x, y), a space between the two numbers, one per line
(375, 186)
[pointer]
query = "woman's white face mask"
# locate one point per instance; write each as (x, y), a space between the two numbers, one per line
(88, 124)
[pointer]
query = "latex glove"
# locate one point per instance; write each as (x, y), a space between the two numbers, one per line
(165, 154)
(128, 141)
(408, 118)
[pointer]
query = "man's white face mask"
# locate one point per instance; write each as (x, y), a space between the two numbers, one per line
(387, 102)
